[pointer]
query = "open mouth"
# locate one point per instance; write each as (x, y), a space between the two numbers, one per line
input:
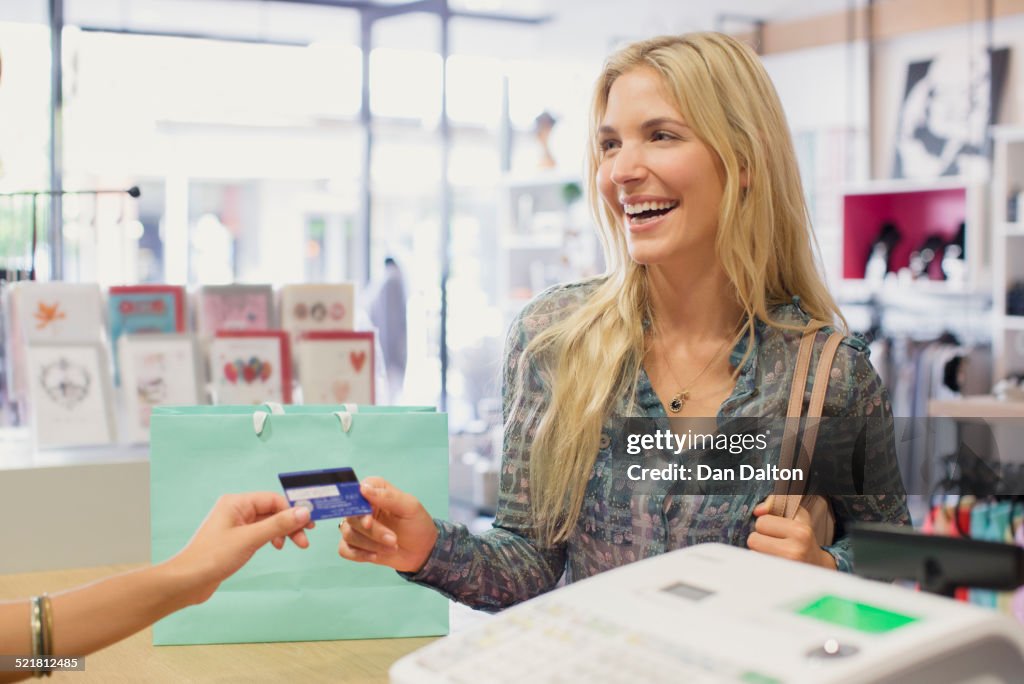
(648, 211)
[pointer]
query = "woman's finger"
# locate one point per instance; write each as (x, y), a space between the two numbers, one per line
(773, 546)
(300, 539)
(385, 496)
(774, 526)
(358, 538)
(357, 555)
(373, 529)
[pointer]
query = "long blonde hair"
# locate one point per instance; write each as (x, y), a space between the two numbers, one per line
(591, 358)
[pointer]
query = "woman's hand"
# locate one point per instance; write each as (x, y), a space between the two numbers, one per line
(788, 538)
(236, 527)
(400, 534)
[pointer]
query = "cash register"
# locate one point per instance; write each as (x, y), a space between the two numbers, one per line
(717, 613)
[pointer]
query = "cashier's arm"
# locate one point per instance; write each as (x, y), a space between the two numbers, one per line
(788, 538)
(91, 617)
(401, 534)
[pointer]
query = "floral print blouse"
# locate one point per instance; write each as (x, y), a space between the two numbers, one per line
(621, 523)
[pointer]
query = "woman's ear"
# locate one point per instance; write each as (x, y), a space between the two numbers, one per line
(744, 179)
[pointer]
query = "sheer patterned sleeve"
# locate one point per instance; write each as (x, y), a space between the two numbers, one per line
(504, 565)
(870, 488)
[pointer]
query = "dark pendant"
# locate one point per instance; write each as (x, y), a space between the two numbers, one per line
(676, 405)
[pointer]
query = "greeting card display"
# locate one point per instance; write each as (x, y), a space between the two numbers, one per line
(322, 306)
(336, 367)
(50, 312)
(156, 370)
(70, 394)
(58, 312)
(234, 307)
(144, 309)
(251, 367)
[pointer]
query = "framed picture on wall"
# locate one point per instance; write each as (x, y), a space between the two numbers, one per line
(251, 367)
(234, 307)
(949, 103)
(70, 394)
(157, 370)
(336, 367)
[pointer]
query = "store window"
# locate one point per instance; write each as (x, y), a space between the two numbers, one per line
(249, 157)
(475, 91)
(406, 227)
(243, 143)
(406, 84)
(25, 133)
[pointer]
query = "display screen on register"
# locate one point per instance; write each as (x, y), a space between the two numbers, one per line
(862, 617)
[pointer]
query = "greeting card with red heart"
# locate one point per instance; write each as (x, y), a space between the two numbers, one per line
(357, 359)
(337, 367)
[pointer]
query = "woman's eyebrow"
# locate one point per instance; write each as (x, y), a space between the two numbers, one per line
(661, 121)
(650, 123)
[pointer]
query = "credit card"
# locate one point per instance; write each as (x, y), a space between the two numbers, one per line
(330, 493)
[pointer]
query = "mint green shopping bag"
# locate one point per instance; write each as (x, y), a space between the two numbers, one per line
(198, 453)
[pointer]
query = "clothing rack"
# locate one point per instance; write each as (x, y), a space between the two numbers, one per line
(995, 518)
(922, 317)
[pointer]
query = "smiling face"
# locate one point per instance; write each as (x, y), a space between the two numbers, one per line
(663, 184)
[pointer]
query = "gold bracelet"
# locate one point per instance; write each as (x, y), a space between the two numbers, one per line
(47, 610)
(36, 623)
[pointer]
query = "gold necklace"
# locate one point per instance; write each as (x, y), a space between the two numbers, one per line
(680, 398)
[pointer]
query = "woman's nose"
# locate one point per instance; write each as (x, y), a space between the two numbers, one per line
(628, 166)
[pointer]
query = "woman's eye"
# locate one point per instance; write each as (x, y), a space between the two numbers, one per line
(607, 145)
(662, 135)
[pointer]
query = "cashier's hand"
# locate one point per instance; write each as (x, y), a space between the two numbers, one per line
(400, 534)
(788, 538)
(236, 527)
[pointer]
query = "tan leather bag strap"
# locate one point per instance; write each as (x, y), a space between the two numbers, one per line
(793, 412)
(822, 373)
(788, 494)
(814, 409)
(803, 364)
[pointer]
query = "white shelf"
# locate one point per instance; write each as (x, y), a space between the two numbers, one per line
(1006, 248)
(542, 237)
(18, 452)
(902, 185)
(533, 241)
(540, 179)
(981, 406)
(895, 293)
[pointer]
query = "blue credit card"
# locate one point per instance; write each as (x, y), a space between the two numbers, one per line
(330, 493)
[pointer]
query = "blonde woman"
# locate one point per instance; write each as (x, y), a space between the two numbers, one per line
(711, 281)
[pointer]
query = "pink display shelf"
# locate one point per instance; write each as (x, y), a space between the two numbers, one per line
(916, 213)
